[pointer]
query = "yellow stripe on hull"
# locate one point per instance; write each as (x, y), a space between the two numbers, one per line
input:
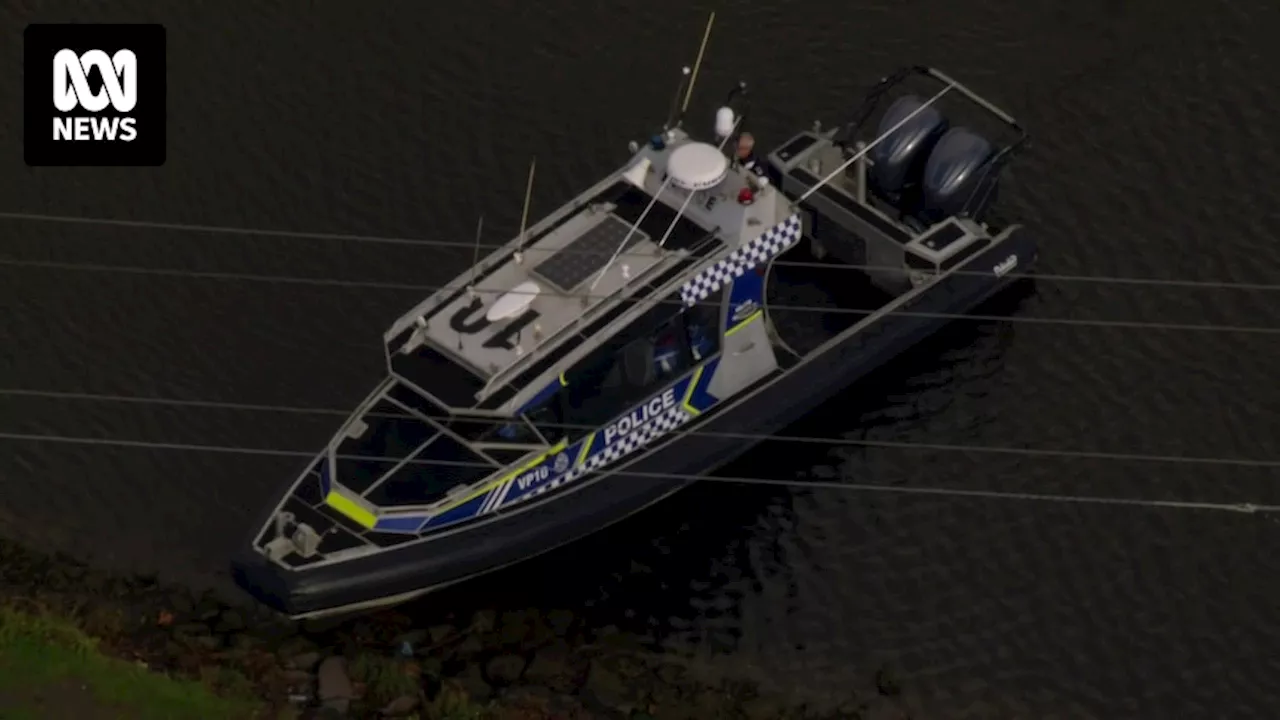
(508, 477)
(688, 394)
(351, 509)
(586, 448)
(750, 319)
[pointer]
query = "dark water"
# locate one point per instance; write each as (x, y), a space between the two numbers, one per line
(1156, 155)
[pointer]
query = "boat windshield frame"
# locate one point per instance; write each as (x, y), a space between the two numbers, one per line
(480, 416)
(456, 423)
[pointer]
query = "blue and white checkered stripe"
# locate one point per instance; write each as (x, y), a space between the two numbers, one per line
(629, 443)
(771, 243)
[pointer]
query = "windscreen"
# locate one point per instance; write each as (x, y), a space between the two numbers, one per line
(405, 454)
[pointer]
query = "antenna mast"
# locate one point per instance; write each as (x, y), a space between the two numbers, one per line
(524, 215)
(475, 259)
(697, 65)
(674, 114)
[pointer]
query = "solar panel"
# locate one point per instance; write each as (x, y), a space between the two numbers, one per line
(588, 254)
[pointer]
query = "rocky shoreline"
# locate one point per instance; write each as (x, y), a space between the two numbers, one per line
(519, 665)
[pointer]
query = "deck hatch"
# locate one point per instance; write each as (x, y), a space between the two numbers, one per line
(794, 148)
(943, 237)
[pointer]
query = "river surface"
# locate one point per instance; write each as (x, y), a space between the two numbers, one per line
(1156, 137)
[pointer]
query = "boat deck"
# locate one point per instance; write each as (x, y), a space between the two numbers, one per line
(570, 269)
(810, 304)
(578, 265)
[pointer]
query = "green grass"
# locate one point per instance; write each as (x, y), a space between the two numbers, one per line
(385, 678)
(51, 669)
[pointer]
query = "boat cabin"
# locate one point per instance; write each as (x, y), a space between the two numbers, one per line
(587, 287)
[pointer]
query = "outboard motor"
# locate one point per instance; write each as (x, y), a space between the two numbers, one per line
(897, 162)
(959, 178)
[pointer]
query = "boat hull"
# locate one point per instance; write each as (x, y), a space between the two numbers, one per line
(591, 504)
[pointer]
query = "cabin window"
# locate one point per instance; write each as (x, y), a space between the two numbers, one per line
(636, 364)
(441, 466)
(473, 428)
(515, 431)
(650, 354)
(702, 326)
(610, 382)
(400, 456)
(389, 436)
(548, 418)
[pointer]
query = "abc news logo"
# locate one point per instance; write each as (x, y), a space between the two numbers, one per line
(108, 101)
(71, 90)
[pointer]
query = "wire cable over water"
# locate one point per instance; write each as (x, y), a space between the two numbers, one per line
(285, 279)
(346, 237)
(809, 439)
(1241, 507)
(1030, 452)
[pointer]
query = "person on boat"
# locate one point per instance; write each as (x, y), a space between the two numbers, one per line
(746, 155)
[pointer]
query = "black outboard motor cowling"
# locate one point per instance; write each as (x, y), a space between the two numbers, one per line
(898, 160)
(959, 177)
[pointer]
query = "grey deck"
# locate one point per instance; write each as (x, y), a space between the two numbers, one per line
(556, 307)
(585, 257)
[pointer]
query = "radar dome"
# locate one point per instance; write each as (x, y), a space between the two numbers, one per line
(697, 166)
(725, 122)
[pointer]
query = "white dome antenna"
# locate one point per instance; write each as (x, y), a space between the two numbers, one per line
(696, 166)
(725, 122)
(728, 120)
(514, 302)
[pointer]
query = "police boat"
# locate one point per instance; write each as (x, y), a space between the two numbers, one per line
(631, 340)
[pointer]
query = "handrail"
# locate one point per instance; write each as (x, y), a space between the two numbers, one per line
(873, 97)
(994, 165)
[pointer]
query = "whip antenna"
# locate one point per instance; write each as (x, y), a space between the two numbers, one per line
(524, 215)
(675, 113)
(475, 259)
(697, 64)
